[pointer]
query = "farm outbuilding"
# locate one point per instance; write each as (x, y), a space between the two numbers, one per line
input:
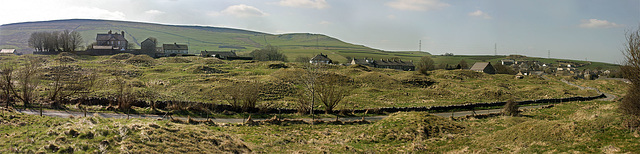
(484, 67)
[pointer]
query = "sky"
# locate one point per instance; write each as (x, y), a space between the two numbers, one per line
(591, 30)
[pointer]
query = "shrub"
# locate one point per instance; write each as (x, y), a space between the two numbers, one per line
(510, 108)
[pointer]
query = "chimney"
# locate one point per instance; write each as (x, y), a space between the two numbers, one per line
(123, 33)
(109, 32)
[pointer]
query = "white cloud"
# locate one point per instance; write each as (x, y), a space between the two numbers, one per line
(595, 23)
(317, 4)
(242, 11)
(325, 23)
(480, 14)
(154, 12)
(417, 5)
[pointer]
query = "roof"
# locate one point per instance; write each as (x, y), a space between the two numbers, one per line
(148, 40)
(110, 37)
(392, 62)
(9, 51)
(321, 57)
(479, 66)
(361, 61)
(221, 54)
(175, 46)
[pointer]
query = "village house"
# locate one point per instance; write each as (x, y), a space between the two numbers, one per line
(321, 59)
(111, 41)
(485, 67)
(507, 62)
(8, 51)
(175, 49)
(224, 55)
(391, 64)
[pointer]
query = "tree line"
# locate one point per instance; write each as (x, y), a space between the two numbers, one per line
(63, 41)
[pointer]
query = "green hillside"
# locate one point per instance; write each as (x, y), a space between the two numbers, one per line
(224, 39)
(199, 38)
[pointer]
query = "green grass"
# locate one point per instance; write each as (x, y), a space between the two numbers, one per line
(573, 127)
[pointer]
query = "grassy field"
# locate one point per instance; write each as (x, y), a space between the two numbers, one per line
(590, 126)
(199, 79)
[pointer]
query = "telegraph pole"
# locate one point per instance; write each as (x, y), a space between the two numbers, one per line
(495, 49)
(549, 54)
(420, 46)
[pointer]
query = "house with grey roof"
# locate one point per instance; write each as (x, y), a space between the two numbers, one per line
(382, 63)
(321, 59)
(114, 40)
(175, 49)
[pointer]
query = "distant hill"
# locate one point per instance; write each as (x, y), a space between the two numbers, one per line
(202, 38)
(199, 38)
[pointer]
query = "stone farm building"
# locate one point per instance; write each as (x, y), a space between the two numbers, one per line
(111, 41)
(175, 49)
(392, 64)
(321, 59)
(224, 55)
(485, 67)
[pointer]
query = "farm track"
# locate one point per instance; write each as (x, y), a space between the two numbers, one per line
(66, 114)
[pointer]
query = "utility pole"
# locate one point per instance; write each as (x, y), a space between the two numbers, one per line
(420, 46)
(495, 49)
(549, 54)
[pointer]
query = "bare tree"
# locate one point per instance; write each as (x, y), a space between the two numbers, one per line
(331, 88)
(68, 41)
(463, 64)
(630, 105)
(6, 83)
(124, 95)
(269, 53)
(67, 81)
(242, 95)
(425, 65)
(28, 80)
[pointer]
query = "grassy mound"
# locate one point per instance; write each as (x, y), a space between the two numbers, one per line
(141, 60)
(209, 61)
(121, 56)
(409, 126)
(66, 59)
(360, 67)
(103, 135)
(174, 60)
(458, 74)
(202, 69)
(376, 79)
